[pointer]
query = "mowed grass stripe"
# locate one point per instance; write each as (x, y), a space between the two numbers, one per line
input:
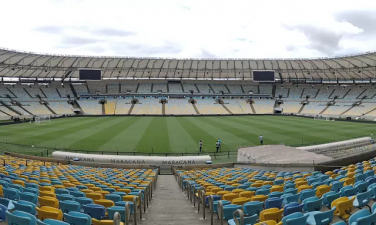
(276, 134)
(198, 134)
(32, 128)
(229, 137)
(128, 138)
(75, 127)
(102, 135)
(155, 137)
(179, 139)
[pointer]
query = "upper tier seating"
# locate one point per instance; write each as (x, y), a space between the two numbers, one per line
(175, 88)
(204, 88)
(4, 92)
(281, 91)
(81, 89)
(144, 88)
(50, 189)
(159, 87)
(97, 87)
(249, 88)
(218, 88)
(113, 88)
(235, 89)
(266, 89)
(131, 87)
(188, 87)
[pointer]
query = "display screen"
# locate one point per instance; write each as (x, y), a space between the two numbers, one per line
(86, 74)
(263, 76)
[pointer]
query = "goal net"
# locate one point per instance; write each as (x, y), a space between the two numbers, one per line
(42, 119)
(321, 117)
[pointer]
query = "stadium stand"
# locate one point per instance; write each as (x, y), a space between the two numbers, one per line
(235, 89)
(338, 109)
(47, 192)
(277, 196)
(113, 88)
(122, 106)
(144, 88)
(97, 88)
(250, 88)
(188, 87)
(159, 87)
(91, 107)
(264, 106)
(51, 92)
(280, 91)
(36, 108)
(234, 106)
(179, 107)
(61, 107)
(204, 88)
(291, 107)
(147, 107)
(175, 88)
(209, 106)
(219, 88)
(110, 107)
(131, 87)
(314, 108)
(81, 89)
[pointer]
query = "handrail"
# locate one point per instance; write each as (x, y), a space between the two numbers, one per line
(117, 219)
(188, 189)
(220, 211)
(127, 212)
(241, 216)
(203, 204)
(211, 207)
(140, 200)
(200, 190)
(135, 201)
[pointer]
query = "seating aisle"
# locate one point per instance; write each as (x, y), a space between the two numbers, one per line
(170, 206)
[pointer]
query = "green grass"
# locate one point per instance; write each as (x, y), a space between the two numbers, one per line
(173, 134)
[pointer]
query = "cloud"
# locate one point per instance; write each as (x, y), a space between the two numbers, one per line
(72, 41)
(112, 32)
(206, 54)
(50, 29)
(363, 19)
(321, 39)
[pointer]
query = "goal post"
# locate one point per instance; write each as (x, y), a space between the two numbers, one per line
(42, 119)
(321, 117)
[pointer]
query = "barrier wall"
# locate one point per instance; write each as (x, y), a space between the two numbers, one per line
(134, 160)
(339, 145)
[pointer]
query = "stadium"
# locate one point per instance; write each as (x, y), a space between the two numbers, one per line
(110, 140)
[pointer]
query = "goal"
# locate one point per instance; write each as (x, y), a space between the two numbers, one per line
(321, 117)
(42, 119)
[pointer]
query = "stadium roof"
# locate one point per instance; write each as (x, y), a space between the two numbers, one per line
(35, 65)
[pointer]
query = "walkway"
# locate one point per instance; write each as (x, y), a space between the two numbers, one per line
(170, 207)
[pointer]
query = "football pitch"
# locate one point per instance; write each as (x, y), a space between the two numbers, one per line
(173, 134)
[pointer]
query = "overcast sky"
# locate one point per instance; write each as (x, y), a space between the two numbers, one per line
(190, 29)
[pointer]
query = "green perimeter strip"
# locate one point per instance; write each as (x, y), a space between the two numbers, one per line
(77, 127)
(155, 137)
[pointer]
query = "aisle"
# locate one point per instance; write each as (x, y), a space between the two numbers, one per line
(170, 207)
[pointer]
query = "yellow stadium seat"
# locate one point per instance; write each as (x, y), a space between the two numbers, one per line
(94, 196)
(271, 214)
(104, 222)
(48, 201)
(260, 198)
(46, 212)
(344, 206)
(247, 194)
(322, 189)
(240, 201)
(47, 193)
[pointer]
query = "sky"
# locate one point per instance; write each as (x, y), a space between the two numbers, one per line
(190, 29)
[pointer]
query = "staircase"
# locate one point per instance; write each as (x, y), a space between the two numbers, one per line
(28, 93)
(5, 113)
(301, 109)
(195, 108)
(253, 109)
(324, 109)
(49, 108)
(25, 110)
(347, 110)
(274, 89)
(10, 108)
(163, 109)
(225, 107)
(370, 111)
(110, 108)
(103, 109)
(130, 110)
(73, 90)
